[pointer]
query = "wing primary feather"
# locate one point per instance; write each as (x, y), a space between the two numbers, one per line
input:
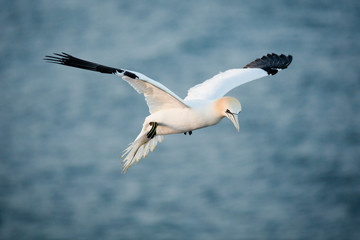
(71, 61)
(130, 74)
(157, 95)
(271, 63)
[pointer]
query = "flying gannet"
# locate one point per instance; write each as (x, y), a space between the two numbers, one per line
(205, 105)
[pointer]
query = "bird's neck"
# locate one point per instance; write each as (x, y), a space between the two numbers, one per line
(219, 107)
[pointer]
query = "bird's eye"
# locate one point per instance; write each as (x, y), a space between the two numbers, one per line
(227, 111)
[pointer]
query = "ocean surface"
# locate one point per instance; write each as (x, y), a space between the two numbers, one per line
(291, 173)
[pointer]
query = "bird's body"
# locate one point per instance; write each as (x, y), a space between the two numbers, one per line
(204, 106)
(182, 120)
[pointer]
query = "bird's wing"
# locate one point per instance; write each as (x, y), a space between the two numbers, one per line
(222, 83)
(157, 96)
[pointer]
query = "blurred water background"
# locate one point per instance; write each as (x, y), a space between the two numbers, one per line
(293, 171)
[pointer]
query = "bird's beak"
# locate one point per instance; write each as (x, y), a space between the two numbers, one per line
(234, 119)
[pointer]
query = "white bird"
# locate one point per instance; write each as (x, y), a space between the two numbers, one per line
(205, 105)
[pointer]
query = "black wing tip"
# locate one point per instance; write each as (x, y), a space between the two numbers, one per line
(271, 63)
(59, 58)
(71, 61)
(130, 75)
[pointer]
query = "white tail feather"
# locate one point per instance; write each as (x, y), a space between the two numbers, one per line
(139, 149)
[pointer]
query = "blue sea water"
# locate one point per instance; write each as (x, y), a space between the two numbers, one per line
(292, 172)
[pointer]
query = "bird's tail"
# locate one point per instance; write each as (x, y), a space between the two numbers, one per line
(138, 149)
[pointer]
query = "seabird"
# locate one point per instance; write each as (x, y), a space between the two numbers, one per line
(205, 105)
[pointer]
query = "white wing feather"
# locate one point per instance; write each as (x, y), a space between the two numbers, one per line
(157, 96)
(222, 83)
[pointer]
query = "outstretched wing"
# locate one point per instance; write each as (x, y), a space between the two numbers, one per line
(222, 83)
(157, 96)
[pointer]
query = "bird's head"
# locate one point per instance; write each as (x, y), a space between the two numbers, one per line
(229, 107)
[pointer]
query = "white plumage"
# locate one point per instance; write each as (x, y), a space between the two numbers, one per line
(205, 104)
(222, 83)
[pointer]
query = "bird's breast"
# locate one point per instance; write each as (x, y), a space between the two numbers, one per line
(182, 120)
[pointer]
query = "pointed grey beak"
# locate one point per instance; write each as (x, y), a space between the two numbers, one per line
(234, 119)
